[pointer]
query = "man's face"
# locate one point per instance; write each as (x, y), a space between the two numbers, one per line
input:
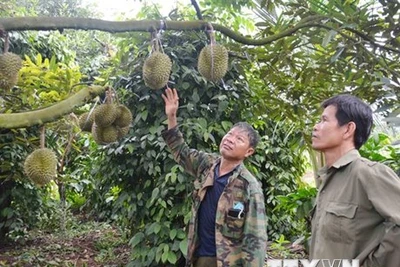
(235, 145)
(327, 134)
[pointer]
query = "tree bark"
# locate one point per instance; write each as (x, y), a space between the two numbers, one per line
(61, 23)
(52, 113)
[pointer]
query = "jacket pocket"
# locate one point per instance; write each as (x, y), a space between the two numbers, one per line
(338, 223)
(233, 227)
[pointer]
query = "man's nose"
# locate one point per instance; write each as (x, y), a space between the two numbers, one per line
(229, 139)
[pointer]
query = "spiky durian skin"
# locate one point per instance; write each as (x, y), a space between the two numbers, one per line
(96, 134)
(124, 116)
(123, 131)
(86, 121)
(105, 114)
(109, 134)
(213, 62)
(156, 70)
(10, 64)
(41, 166)
(104, 135)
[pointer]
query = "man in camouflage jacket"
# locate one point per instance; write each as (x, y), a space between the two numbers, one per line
(227, 228)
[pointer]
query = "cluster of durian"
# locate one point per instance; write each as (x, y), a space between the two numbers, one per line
(213, 62)
(156, 70)
(41, 166)
(10, 64)
(108, 122)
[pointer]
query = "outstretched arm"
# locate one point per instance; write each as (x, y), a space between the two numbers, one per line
(193, 161)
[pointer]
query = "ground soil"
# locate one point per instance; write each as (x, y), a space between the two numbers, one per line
(96, 247)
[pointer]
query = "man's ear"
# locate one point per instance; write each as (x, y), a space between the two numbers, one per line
(350, 130)
(249, 152)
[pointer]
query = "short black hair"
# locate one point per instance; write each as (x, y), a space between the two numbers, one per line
(253, 135)
(351, 108)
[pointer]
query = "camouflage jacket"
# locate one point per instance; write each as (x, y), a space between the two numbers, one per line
(239, 241)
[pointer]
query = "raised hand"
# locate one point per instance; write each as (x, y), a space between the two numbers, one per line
(171, 101)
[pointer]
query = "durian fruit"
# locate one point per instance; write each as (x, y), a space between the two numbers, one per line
(105, 135)
(41, 166)
(86, 121)
(105, 114)
(122, 131)
(156, 70)
(109, 134)
(96, 134)
(10, 64)
(124, 116)
(213, 62)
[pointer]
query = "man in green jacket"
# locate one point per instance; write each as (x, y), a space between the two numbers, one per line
(228, 224)
(357, 212)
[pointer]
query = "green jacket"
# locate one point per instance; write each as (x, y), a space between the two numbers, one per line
(357, 213)
(239, 242)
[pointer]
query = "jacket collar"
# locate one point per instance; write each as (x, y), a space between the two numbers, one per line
(346, 159)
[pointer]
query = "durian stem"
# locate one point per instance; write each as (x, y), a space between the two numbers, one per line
(6, 43)
(154, 42)
(109, 96)
(71, 137)
(210, 30)
(42, 137)
(212, 42)
(115, 96)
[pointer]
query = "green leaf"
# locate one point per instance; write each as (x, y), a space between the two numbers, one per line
(172, 234)
(183, 246)
(172, 257)
(136, 239)
(38, 59)
(337, 54)
(157, 228)
(145, 114)
(155, 193)
(164, 257)
(53, 64)
(328, 37)
(226, 125)
(195, 97)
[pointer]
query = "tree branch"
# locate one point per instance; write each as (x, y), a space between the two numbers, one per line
(60, 23)
(41, 116)
(198, 11)
(372, 41)
(379, 60)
